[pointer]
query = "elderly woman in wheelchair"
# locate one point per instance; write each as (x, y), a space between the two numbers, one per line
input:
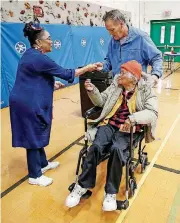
(129, 103)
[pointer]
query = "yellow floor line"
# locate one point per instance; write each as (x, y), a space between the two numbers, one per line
(140, 183)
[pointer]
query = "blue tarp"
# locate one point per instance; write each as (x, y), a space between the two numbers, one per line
(4, 91)
(73, 46)
(100, 39)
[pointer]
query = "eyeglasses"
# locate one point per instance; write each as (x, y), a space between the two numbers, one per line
(124, 73)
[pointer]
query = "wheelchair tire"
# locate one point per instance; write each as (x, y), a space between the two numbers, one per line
(132, 187)
(144, 163)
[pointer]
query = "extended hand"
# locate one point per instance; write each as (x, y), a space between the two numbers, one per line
(91, 67)
(88, 85)
(58, 85)
(126, 126)
(153, 81)
(99, 66)
(87, 68)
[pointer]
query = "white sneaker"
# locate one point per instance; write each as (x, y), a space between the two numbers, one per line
(41, 181)
(50, 166)
(74, 197)
(109, 203)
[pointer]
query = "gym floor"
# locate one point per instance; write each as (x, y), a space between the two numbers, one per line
(157, 198)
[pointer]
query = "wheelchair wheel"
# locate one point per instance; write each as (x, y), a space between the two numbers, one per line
(131, 169)
(132, 187)
(144, 163)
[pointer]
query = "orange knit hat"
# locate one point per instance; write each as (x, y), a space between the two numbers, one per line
(133, 67)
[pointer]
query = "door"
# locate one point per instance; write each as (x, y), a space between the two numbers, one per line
(166, 34)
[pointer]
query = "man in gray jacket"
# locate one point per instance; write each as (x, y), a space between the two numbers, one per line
(127, 101)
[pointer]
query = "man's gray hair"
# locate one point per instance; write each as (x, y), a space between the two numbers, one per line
(115, 15)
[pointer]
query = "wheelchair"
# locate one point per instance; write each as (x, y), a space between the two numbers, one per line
(130, 166)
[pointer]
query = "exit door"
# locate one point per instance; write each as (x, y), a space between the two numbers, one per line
(166, 34)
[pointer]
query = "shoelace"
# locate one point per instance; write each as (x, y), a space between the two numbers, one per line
(110, 197)
(76, 190)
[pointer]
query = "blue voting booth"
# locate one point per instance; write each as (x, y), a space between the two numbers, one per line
(73, 46)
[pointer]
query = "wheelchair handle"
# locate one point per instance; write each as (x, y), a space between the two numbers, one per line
(88, 113)
(92, 111)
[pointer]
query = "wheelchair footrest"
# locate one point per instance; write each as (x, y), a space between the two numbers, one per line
(122, 205)
(87, 195)
(71, 187)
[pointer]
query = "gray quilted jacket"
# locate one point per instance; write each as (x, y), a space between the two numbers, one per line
(146, 106)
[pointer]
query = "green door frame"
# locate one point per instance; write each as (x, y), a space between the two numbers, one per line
(155, 33)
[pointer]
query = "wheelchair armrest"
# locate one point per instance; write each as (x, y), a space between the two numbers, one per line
(92, 111)
(139, 138)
